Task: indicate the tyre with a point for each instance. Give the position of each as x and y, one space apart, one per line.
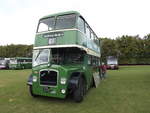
79 92
31 91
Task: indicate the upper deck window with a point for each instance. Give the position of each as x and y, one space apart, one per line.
60 22
46 24
92 36
87 31
65 21
81 24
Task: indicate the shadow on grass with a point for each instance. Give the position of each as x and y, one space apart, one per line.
53 99
68 99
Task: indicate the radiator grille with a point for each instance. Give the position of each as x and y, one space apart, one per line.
48 77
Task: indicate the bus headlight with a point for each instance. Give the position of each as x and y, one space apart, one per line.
34 78
63 80
63 91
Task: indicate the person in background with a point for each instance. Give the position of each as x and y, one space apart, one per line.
104 70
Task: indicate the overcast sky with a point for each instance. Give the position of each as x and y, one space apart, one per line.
108 18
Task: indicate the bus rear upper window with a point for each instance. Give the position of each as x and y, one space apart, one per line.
65 21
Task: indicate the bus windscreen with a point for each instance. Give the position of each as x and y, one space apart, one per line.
60 22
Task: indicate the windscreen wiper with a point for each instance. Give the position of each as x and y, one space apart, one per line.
38 55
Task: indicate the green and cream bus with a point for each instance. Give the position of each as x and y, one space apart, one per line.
20 63
66 57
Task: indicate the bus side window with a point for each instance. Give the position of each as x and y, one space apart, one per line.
93 60
97 61
81 24
95 39
87 29
89 60
92 36
29 60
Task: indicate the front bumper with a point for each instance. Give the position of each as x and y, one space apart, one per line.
49 91
59 91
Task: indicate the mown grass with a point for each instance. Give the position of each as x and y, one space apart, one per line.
126 90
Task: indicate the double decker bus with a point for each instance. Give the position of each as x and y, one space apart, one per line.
66 57
20 63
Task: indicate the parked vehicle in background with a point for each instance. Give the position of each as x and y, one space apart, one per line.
4 63
20 63
112 62
66 57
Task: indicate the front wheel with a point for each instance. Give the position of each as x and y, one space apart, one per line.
31 91
79 92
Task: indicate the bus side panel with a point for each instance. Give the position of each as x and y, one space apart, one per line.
39 41
81 39
88 70
68 38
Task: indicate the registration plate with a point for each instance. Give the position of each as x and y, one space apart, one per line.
52 41
46 89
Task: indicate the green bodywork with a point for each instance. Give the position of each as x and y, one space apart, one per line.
64 71
69 37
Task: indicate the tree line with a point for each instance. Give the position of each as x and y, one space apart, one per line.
128 49
19 50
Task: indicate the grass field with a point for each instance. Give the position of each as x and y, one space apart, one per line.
126 90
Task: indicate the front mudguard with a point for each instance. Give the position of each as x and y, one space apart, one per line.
30 80
73 83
